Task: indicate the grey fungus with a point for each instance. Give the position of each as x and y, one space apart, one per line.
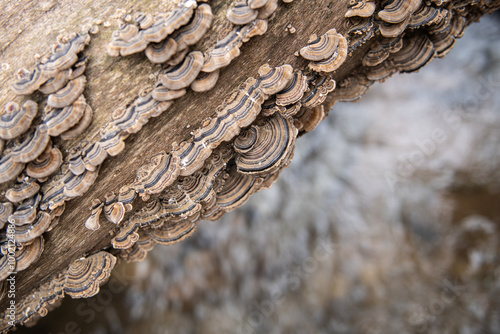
56 83
161 52
68 94
26 212
21 191
294 91
6 209
321 48
205 81
46 164
16 120
241 13
61 120
85 275
333 62
31 145
182 75
361 8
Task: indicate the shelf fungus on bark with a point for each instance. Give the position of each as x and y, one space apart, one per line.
6 209
64 55
92 223
333 62
9 169
182 75
205 81
16 120
241 13
46 164
68 94
321 48
26 188
28 232
29 253
84 276
361 8
31 145
60 120
275 79
294 91
265 148
130 38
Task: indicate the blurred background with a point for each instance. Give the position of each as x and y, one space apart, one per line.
386 221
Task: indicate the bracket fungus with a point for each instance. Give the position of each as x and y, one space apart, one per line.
245 123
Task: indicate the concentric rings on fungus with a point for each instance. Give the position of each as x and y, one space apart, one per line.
266 148
396 11
159 53
152 178
171 233
361 8
46 164
26 212
32 145
21 191
182 75
335 60
79 127
14 121
192 32
85 275
9 169
162 93
241 13
275 79
320 48
28 232
415 53
56 83
92 223
68 94
29 254
6 210
205 81
61 120
294 91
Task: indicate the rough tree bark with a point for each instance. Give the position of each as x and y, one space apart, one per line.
27 29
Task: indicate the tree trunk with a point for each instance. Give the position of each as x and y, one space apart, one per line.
114 82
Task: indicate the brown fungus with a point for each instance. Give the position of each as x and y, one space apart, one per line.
361 8
28 232
182 75
15 120
31 145
21 191
335 60
92 223
63 119
396 11
56 83
46 164
320 48
266 148
79 127
294 91
241 13
275 79
9 169
67 95
192 32
29 253
205 81
85 275
159 53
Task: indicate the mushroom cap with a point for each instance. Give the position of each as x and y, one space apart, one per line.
14 121
275 79
335 61
29 254
32 145
322 47
159 53
22 191
241 13
396 11
68 94
62 119
205 81
294 91
181 76
46 164
84 276
362 8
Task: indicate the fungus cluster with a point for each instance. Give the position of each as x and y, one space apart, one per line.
240 150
